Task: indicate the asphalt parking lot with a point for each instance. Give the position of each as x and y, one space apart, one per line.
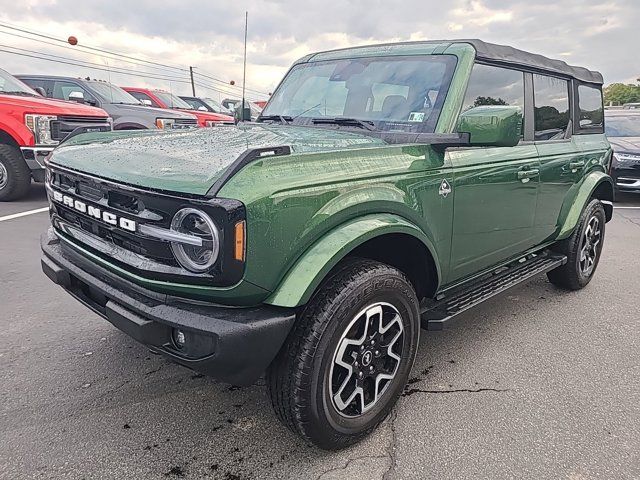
537 383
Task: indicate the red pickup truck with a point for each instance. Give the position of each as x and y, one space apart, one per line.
30 127
162 99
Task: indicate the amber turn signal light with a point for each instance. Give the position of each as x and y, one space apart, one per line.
240 236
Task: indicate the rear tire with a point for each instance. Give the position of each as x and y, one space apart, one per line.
348 357
582 248
15 176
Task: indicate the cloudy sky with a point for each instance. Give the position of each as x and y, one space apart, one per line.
208 34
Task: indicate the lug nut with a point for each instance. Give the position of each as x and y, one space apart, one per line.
360 374
371 368
377 353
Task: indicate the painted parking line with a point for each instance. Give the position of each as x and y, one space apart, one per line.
24 214
626 208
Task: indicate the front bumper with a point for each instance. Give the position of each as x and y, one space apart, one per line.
34 158
234 345
628 184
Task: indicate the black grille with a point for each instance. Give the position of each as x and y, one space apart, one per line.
134 251
186 121
63 126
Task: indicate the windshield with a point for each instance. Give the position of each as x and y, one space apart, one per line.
10 84
217 106
171 101
112 93
395 93
623 126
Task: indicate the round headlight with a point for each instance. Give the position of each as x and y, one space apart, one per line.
197 224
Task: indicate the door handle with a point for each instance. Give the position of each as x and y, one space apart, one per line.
525 175
576 165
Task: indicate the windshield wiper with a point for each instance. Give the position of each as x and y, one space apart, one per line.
366 124
20 93
284 119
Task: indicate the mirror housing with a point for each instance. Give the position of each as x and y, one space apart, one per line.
40 91
146 102
492 125
76 96
202 108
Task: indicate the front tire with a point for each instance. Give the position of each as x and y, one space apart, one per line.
15 177
582 248
348 357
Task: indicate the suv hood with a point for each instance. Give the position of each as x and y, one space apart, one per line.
143 109
48 106
190 161
625 144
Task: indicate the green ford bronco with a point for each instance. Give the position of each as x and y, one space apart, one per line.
383 189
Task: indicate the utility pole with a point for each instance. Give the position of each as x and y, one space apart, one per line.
243 108
193 85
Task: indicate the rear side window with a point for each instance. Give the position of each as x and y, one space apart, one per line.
590 109
551 107
489 85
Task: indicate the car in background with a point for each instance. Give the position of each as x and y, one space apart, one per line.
30 127
127 112
235 106
631 106
167 100
623 130
207 104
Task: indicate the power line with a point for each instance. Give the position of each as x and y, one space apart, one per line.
116 70
152 74
93 64
121 57
102 68
226 83
87 47
75 49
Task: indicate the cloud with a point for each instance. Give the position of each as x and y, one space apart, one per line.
209 34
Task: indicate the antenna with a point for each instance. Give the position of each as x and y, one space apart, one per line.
244 68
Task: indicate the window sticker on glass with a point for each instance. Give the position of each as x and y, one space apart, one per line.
416 117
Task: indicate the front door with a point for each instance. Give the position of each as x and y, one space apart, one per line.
495 195
495 189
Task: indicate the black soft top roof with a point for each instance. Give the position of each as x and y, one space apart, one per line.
514 56
484 51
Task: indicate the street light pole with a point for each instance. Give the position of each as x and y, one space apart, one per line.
193 85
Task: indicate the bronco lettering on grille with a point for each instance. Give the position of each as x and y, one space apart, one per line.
95 212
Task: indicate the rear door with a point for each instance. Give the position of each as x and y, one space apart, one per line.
561 160
495 188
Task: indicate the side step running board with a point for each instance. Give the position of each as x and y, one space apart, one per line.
437 312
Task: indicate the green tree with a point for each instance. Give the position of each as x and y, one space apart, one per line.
480 101
620 93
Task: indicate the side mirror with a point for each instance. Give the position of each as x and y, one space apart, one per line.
202 108
76 97
492 125
40 91
146 102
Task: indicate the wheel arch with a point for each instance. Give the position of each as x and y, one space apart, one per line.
595 185
387 238
7 139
